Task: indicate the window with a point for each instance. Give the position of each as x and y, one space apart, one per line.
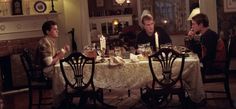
171 15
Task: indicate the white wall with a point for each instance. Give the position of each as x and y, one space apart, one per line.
75 15
208 7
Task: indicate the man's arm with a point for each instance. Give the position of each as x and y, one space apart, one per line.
210 45
60 54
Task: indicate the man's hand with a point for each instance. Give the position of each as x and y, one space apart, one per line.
60 54
66 48
191 33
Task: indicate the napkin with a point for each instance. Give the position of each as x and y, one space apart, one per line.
133 57
116 60
137 58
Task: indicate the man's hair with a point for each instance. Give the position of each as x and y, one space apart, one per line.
147 17
201 18
47 26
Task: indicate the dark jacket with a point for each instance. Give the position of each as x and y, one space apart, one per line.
143 38
209 40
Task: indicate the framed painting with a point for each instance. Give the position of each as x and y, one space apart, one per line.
229 5
100 3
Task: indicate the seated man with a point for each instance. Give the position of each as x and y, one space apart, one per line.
212 47
147 35
46 53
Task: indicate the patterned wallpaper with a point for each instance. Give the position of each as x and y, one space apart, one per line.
180 15
147 5
171 15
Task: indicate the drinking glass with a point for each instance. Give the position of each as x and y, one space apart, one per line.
90 51
117 51
141 48
167 45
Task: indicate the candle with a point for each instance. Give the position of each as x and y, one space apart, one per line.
102 43
156 40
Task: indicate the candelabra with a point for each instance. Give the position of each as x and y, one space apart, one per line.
53 10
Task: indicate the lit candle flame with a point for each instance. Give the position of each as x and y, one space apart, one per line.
156 40
102 43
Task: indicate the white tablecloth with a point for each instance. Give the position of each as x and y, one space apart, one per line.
136 75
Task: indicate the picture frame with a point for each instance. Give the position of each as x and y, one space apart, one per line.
100 3
229 5
17 7
40 6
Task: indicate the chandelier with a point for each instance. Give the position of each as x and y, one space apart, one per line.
120 1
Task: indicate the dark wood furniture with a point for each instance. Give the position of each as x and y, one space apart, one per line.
35 79
164 83
219 74
78 85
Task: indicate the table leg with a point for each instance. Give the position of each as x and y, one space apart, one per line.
100 98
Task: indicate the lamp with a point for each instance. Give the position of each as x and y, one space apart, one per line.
120 1
194 12
128 1
165 21
115 22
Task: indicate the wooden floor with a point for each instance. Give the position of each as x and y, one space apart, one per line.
121 99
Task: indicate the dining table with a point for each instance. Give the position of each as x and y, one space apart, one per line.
136 74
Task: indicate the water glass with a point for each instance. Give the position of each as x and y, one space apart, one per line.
117 51
141 48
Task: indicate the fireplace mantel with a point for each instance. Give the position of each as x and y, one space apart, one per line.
23 26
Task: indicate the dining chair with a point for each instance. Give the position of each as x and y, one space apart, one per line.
78 82
164 83
219 74
36 80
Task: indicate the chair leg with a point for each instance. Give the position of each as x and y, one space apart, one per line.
141 91
100 98
100 94
30 99
227 89
94 100
40 98
183 100
129 93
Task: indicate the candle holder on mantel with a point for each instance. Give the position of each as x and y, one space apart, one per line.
53 10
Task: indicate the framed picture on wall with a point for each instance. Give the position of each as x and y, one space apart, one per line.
229 5
40 6
100 3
